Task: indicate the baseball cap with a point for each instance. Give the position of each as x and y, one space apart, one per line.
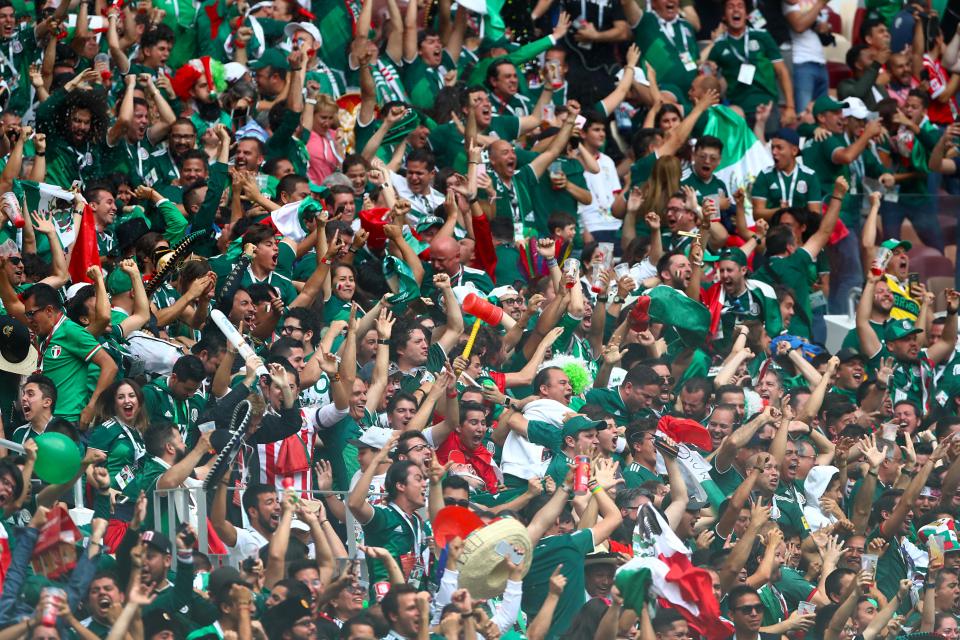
787 135
898 329
273 58
366 371
576 424
826 103
222 578
893 243
293 27
118 282
734 254
506 291
157 620
856 109
428 221
847 354
283 616
158 541
373 438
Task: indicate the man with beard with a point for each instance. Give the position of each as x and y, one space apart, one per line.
75 121
891 519
141 148
510 299
913 368
101 199
902 81
175 398
166 466
787 183
674 270
396 526
197 84
880 309
751 63
262 507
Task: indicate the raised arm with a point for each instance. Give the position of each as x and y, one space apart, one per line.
821 236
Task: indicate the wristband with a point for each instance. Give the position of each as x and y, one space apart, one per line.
326 260
836 198
472 199
382 341
602 299
312 101
551 262
451 396
597 489
873 473
240 45
40 154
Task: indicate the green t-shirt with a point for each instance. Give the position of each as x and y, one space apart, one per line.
66 356
713 187
778 189
508 270
758 49
284 286
891 569
636 474
568 550
670 49
789 500
727 481
611 401
161 405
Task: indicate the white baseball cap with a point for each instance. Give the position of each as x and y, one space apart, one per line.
309 27
856 108
374 438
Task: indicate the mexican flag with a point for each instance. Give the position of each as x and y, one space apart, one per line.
85 252
290 218
687 317
40 196
744 156
661 574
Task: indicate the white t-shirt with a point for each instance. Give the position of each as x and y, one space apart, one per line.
248 545
806 45
603 186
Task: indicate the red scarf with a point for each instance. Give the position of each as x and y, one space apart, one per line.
479 458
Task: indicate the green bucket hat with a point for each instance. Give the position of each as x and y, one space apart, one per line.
403 128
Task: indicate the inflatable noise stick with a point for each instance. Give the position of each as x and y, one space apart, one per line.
467 348
233 337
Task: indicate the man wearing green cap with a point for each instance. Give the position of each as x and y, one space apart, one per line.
271 72
913 367
577 436
130 308
905 306
740 298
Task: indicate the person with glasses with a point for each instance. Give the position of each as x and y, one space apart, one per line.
510 299
746 613
67 353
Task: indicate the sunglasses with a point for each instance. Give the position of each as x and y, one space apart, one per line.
453 502
30 314
15 260
750 608
667 380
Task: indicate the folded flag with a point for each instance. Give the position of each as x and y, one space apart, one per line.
85 251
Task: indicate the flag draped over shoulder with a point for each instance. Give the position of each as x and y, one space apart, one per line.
85 251
744 156
661 573
689 318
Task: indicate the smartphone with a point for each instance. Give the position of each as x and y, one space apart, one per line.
913 278
505 549
188 538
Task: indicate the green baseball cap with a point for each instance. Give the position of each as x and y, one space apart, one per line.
893 243
428 221
826 103
118 282
895 330
734 254
273 58
576 424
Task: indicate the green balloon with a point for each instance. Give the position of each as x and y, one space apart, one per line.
58 458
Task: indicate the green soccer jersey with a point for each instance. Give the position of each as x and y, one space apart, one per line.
789 508
404 535
515 202
567 550
748 89
17 53
145 162
611 402
727 481
712 188
424 82
669 47
818 158
436 359
517 105
911 381
124 447
65 357
161 405
636 474
283 285
891 569
796 189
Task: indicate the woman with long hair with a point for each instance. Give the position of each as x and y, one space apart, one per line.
119 434
320 123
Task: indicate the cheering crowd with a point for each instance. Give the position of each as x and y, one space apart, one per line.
414 319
